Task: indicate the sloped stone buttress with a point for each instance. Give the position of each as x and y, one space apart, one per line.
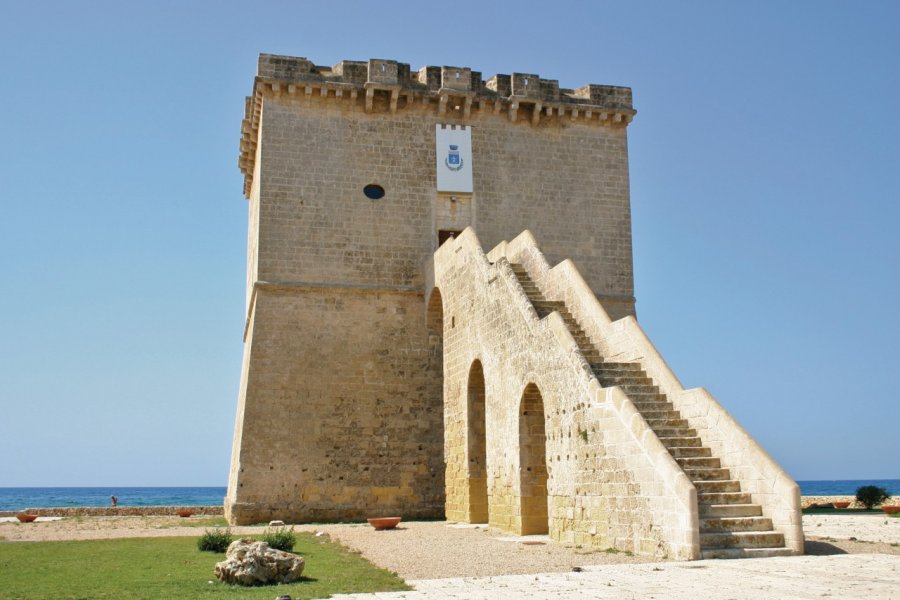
731 525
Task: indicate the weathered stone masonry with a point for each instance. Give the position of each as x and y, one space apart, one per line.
380 376
340 409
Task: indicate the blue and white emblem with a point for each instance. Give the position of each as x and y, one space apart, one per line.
454 161
453 158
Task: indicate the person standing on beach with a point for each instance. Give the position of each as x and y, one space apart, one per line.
114 500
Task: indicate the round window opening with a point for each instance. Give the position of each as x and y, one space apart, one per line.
373 192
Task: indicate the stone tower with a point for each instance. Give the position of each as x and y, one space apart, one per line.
355 174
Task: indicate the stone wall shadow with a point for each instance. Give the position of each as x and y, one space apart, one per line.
821 549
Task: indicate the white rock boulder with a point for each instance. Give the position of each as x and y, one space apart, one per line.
254 563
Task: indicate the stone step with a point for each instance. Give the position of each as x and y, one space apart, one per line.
665 422
694 462
708 474
729 510
723 498
701 452
723 524
742 539
744 552
678 432
652 405
709 487
623 380
662 415
680 442
645 398
549 304
623 366
604 371
639 389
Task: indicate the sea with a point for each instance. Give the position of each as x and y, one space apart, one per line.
845 487
19 498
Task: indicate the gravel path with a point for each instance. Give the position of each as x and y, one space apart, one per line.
426 550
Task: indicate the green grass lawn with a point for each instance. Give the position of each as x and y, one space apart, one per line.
200 522
172 568
842 511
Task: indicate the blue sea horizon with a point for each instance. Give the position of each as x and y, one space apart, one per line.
20 498
845 487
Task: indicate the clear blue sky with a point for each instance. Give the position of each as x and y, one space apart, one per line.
765 169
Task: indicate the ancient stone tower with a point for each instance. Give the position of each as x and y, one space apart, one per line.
392 367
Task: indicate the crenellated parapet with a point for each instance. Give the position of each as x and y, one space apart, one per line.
453 93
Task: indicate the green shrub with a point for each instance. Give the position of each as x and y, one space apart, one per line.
871 495
280 538
214 540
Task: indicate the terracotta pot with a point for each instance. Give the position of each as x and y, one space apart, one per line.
891 509
184 512
842 504
26 518
380 523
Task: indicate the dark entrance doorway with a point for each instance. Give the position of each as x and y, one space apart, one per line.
446 234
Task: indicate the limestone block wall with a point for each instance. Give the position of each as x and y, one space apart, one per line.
624 340
544 158
339 408
607 481
330 429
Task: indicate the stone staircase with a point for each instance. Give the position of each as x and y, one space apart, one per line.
731 526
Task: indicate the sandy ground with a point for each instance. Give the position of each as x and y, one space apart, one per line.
436 549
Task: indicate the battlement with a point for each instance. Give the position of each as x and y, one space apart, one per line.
380 85
379 72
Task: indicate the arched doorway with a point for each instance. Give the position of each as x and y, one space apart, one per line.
533 462
477 445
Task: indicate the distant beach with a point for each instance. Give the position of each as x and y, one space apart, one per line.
19 498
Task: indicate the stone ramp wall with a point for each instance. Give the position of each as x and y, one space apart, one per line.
624 340
611 483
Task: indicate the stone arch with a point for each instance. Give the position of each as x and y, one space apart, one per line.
477 444
533 462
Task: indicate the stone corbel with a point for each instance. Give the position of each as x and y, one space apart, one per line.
536 114
395 95
370 94
513 110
